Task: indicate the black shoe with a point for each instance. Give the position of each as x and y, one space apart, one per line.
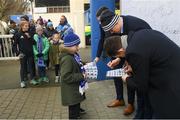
79 117
82 111
75 118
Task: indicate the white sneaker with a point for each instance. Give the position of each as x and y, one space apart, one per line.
57 79
23 85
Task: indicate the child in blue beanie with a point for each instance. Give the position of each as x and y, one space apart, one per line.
72 76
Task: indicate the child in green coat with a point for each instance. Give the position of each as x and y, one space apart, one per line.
54 52
72 76
41 49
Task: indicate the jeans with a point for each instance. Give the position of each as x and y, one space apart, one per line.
42 71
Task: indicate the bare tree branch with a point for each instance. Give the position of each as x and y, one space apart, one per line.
12 7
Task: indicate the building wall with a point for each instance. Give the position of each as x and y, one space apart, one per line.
162 15
86 1
75 18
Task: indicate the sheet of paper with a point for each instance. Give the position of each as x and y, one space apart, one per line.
91 70
115 73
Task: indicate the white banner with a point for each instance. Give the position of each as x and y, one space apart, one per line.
162 15
40 10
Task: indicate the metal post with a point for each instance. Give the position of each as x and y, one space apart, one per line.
32 10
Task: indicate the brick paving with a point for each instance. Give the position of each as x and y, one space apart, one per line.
45 103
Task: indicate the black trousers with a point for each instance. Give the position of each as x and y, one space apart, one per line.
119 87
131 95
47 61
119 91
34 68
25 63
144 110
74 111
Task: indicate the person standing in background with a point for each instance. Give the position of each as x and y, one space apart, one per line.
32 31
24 49
49 32
54 52
62 24
41 49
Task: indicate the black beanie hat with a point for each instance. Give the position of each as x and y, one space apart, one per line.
25 17
108 20
100 10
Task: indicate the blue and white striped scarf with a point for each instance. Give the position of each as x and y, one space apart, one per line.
83 83
40 62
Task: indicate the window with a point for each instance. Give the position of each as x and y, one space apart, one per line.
46 3
54 6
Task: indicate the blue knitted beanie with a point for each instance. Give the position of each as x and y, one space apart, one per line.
49 24
71 40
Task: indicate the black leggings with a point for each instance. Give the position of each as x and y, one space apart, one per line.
27 62
57 69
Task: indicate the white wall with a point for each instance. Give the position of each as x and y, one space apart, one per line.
162 15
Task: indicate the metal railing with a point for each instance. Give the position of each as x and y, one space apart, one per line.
6 43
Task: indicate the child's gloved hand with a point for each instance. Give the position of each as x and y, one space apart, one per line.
21 55
51 41
39 55
96 59
85 75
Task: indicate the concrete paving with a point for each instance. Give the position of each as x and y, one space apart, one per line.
44 101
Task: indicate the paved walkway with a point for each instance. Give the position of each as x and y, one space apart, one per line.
45 103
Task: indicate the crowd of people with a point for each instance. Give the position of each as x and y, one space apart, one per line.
150 60
37 45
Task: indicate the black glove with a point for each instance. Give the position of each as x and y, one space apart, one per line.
39 55
17 53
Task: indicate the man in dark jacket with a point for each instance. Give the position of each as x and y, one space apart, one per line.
119 101
121 25
154 66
